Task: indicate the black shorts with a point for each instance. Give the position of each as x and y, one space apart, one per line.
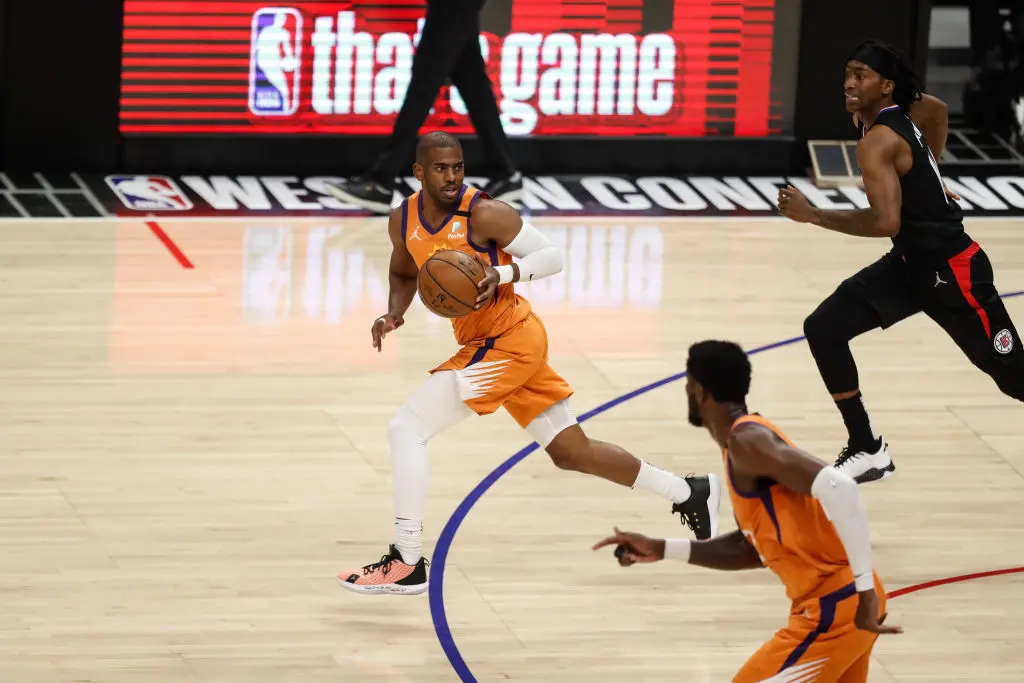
957 293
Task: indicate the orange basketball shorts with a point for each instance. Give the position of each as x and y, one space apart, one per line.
820 643
511 371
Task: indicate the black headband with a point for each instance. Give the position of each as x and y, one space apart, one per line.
881 61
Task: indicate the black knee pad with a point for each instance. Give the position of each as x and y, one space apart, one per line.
821 324
841 317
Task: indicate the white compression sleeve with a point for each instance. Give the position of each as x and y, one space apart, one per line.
537 256
433 408
841 501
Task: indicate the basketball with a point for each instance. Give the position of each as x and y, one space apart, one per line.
447 283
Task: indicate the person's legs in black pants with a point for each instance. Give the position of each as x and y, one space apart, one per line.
968 307
450 25
876 297
476 90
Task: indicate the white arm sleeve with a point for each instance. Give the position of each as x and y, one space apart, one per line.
842 503
677 549
537 256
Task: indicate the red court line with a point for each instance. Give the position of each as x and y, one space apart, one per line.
953 579
169 243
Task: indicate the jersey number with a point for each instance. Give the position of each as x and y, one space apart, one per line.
931 159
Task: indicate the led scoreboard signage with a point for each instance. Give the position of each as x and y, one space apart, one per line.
559 67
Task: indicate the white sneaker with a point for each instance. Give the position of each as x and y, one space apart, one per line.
863 466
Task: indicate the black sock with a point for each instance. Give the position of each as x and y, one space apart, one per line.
858 424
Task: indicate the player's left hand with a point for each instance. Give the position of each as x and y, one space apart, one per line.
794 205
488 286
867 618
631 548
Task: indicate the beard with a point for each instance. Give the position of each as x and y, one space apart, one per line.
694 414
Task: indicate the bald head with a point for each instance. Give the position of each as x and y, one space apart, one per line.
436 140
440 168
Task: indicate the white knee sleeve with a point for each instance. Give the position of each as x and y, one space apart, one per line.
432 408
552 422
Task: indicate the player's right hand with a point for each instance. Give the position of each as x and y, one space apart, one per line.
631 548
382 325
868 619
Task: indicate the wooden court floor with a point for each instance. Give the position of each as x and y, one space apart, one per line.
190 455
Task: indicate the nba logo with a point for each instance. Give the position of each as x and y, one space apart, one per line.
275 54
149 193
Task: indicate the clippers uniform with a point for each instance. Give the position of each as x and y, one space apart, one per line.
798 543
936 268
504 356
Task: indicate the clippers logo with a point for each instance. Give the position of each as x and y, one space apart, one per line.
1003 342
149 193
275 55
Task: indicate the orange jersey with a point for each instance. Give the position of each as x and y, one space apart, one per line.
791 532
507 308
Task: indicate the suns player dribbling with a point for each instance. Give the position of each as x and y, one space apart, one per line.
503 362
798 516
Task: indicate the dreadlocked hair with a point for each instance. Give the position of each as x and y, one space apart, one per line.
897 67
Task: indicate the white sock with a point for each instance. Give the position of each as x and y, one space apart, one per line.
664 484
409 539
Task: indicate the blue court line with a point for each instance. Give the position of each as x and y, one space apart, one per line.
444 541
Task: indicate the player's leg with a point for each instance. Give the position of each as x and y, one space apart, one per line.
432 409
541 407
965 303
469 75
878 296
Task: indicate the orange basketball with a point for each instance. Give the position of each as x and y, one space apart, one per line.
447 283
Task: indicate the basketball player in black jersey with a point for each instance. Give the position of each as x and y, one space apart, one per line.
933 267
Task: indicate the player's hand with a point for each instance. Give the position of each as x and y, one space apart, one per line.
949 193
487 286
631 548
867 618
382 325
794 205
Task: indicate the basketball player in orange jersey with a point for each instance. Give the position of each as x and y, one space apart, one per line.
783 499
503 362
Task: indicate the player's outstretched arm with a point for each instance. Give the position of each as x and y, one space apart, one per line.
497 222
402 273
756 452
876 156
727 552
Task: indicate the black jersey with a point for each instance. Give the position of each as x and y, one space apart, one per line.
929 220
